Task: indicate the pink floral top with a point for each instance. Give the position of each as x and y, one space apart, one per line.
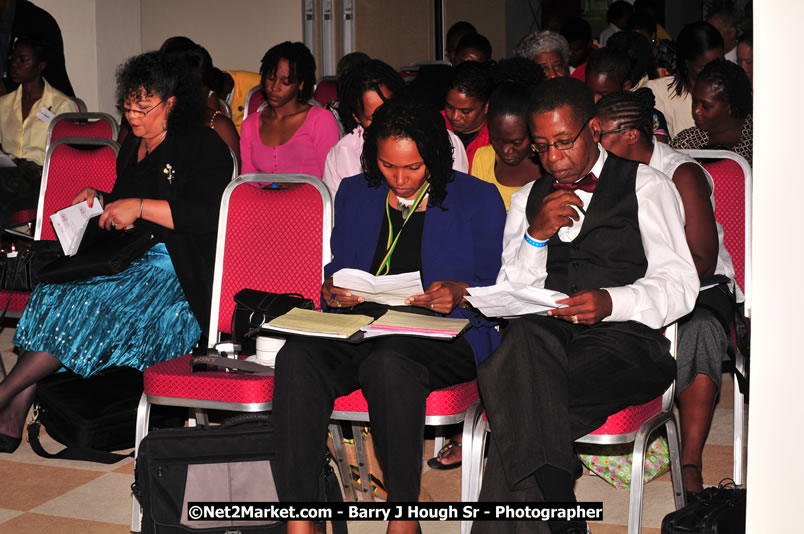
304 153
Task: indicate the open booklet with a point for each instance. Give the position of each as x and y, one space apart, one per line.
356 328
391 290
509 299
71 223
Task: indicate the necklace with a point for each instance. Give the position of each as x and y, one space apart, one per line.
159 139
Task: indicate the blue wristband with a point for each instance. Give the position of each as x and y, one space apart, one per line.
534 242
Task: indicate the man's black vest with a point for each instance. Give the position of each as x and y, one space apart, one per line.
608 250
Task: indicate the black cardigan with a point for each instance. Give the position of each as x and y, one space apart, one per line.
190 169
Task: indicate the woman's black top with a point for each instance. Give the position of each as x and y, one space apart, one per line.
190 169
407 256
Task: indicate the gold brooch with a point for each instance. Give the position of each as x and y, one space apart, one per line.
168 170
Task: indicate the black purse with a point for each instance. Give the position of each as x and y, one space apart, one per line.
254 308
716 510
108 256
20 271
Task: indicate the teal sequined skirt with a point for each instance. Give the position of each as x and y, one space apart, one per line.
135 318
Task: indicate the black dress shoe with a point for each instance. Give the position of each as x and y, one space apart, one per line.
9 444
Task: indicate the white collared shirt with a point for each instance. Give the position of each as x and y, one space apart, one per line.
670 285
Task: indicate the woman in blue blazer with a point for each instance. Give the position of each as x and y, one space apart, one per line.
408 212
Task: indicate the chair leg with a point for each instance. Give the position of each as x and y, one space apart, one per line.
362 463
471 420
340 458
637 482
675 463
438 442
739 422
143 417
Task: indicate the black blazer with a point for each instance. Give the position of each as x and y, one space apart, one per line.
190 169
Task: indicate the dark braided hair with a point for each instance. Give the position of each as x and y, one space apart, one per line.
726 77
404 117
471 79
629 109
301 67
358 80
694 40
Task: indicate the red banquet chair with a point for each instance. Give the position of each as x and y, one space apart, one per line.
254 100
326 90
634 424
93 125
733 185
268 239
67 170
445 406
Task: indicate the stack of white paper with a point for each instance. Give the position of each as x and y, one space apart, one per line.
71 223
510 299
391 290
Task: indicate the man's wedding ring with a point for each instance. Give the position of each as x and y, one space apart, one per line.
114 224
574 319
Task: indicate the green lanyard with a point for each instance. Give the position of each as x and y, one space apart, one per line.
385 266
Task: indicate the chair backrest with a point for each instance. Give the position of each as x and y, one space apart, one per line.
82 107
224 108
92 125
733 185
254 100
235 167
326 90
272 239
69 169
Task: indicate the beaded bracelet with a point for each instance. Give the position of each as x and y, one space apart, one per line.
534 242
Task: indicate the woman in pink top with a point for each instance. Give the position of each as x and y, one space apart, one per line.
290 135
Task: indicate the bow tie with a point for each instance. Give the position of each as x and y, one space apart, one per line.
588 184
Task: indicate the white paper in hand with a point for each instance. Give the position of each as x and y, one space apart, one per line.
391 290
71 223
510 299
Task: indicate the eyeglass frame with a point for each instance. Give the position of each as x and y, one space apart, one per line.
138 112
616 130
570 141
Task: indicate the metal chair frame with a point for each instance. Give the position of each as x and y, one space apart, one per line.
199 405
83 116
476 430
739 364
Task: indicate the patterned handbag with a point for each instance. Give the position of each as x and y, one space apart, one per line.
613 466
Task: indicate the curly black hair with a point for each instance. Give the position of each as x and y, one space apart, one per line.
156 74
472 79
361 79
728 78
629 109
301 66
694 40
405 117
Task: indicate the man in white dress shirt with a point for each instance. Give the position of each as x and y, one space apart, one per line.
609 233
724 21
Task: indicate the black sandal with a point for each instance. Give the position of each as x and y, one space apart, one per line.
693 494
435 463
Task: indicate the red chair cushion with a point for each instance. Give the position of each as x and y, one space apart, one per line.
174 379
629 419
18 300
448 401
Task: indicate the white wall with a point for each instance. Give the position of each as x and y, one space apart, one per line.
237 33
776 413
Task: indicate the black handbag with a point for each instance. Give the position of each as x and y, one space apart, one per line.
716 510
19 271
226 463
109 256
254 308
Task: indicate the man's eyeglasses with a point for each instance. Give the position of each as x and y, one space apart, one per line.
561 144
136 113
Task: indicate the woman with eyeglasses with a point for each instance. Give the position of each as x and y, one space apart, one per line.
171 173
408 212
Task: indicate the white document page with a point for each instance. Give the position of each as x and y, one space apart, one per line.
512 300
391 290
71 223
